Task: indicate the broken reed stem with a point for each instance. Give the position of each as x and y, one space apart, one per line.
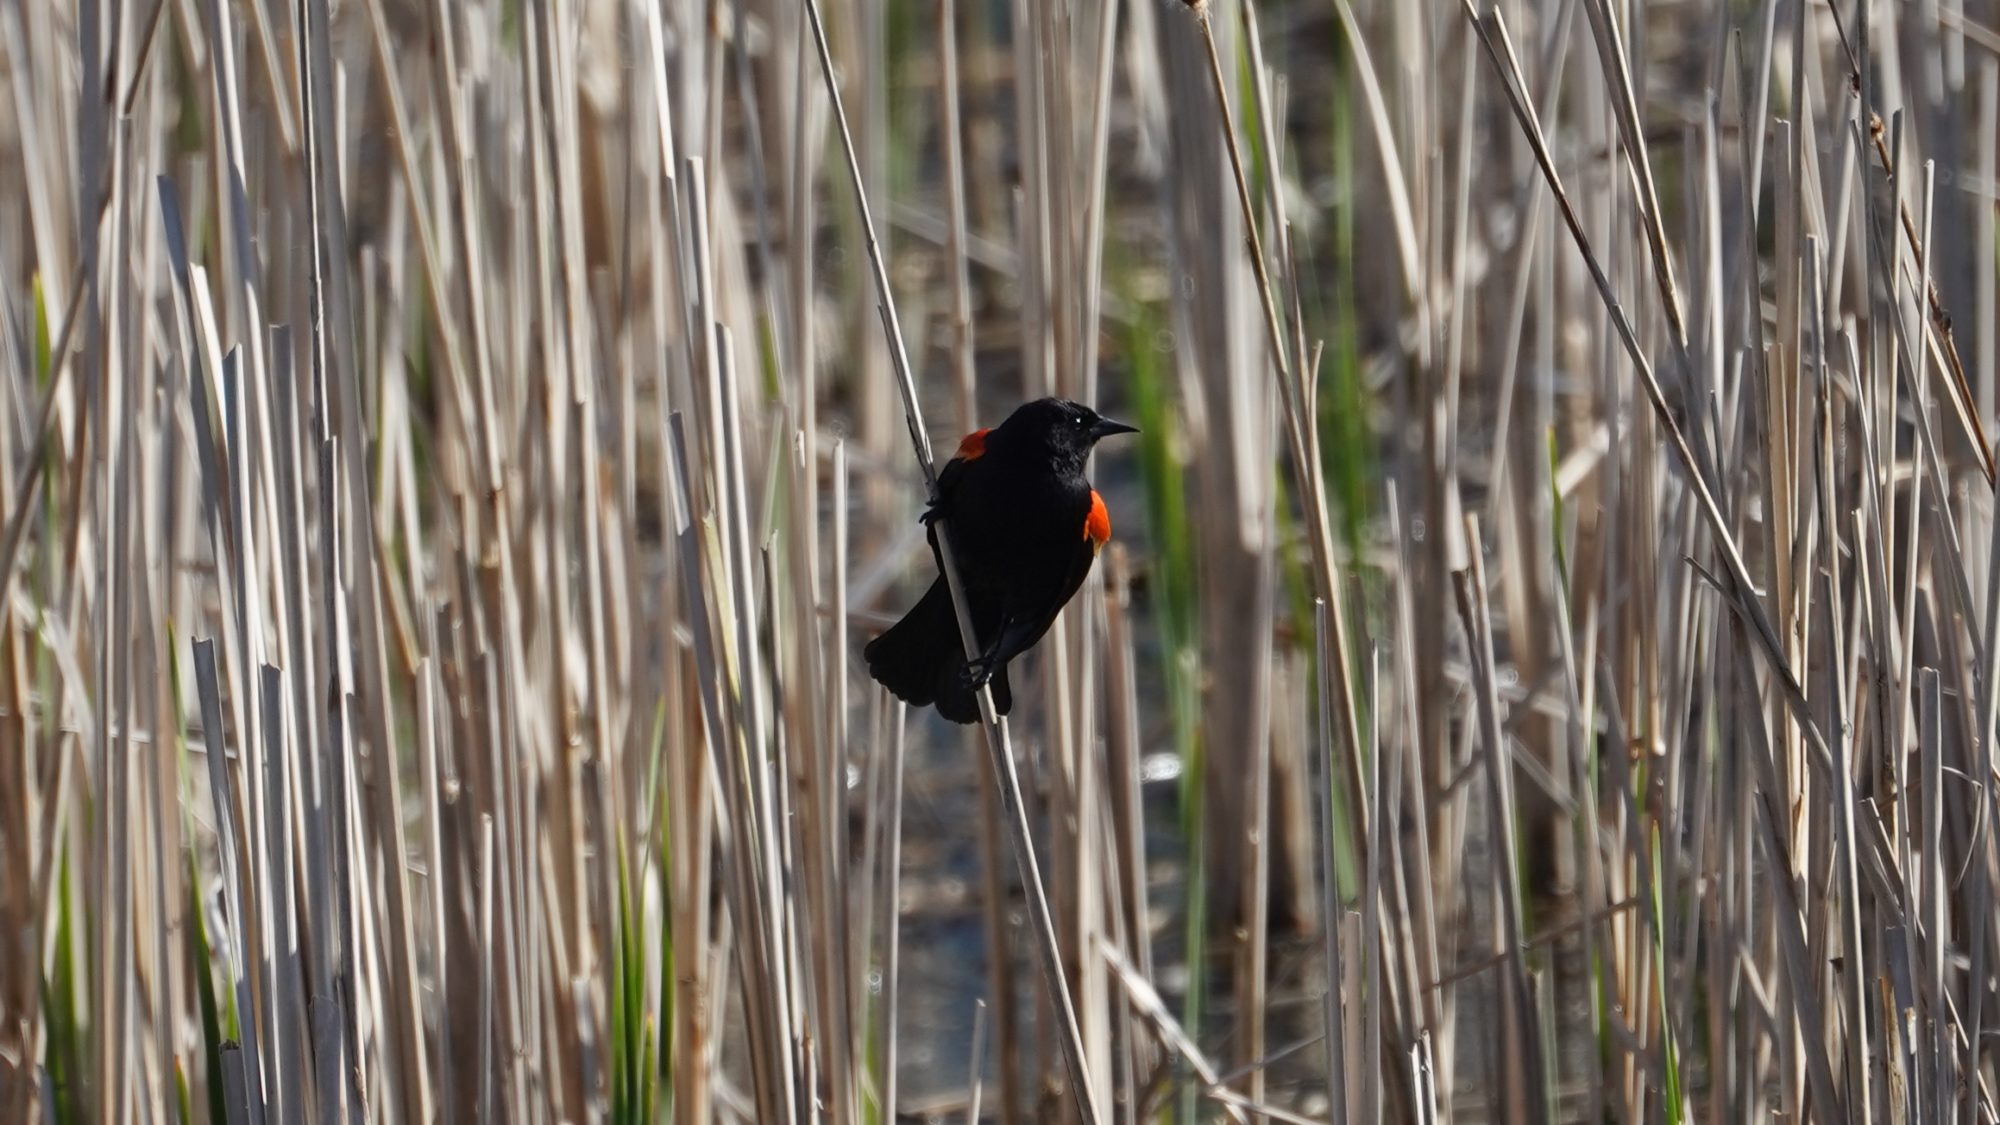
1329 904
892 912
997 742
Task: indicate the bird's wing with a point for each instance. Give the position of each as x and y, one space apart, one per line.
971 448
1025 625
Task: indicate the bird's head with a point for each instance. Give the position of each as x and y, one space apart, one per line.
1066 430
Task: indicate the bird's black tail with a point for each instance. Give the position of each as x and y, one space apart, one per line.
921 661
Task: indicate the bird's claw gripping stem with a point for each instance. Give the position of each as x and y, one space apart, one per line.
976 673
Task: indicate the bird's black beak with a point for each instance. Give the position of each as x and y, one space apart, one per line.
1105 427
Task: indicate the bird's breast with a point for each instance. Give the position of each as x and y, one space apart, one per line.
1007 524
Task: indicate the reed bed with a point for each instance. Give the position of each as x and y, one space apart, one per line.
451 453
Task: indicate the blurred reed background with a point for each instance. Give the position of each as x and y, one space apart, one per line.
450 455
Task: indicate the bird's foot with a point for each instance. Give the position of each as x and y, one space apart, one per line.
976 673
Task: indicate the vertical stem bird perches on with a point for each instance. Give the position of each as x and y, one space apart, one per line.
996 727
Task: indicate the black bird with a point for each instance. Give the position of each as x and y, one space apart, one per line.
1025 527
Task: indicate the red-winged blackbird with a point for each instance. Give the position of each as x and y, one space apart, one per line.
1025 527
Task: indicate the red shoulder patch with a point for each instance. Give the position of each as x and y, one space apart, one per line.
973 446
1097 525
